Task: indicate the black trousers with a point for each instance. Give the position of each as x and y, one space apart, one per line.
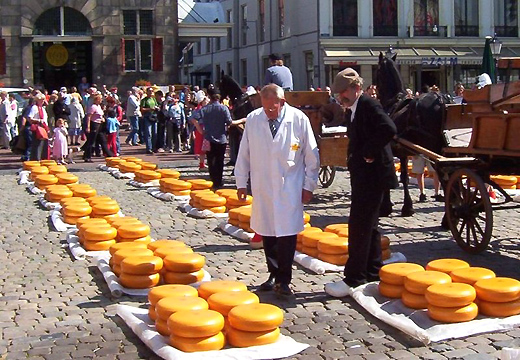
364 239
215 158
279 254
94 135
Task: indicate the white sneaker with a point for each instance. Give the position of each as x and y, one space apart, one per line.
338 289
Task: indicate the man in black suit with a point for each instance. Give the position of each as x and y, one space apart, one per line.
372 171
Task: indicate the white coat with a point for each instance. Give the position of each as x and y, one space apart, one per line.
279 169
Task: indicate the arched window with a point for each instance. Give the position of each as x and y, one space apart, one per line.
62 21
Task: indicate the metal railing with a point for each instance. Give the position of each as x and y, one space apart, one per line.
345 30
429 30
506 31
466 30
385 30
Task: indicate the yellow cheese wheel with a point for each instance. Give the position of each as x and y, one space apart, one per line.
342 232
414 301
234 213
119 255
183 278
234 201
385 242
104 216
311 239
198 184
84 192
334 228
126 245
71 220
162 327
501 309
245 226
105 208
164 291
141 265
154 245
397 272
215 342
46 180
74 200
418 282
446 265
313 252
333 246
471 275
116 269
152 314
186 263
98 245
29 165
234 222
206 289
95 233
504 179
67 178
299 236
169 173
255 317
138 281
181 192
226 192
57 169
240 338
48 162
299 247
81 228
499 289
450 295
194 323
144 239
335 259
98 198
164 251
56 197
90 221
306 218
117 222
244 215
453 314
194 194
213 201
390 290
216 209
169 305
224 301
133 231
174 184
41 170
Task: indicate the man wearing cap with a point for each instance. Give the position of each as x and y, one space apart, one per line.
372 172
278 73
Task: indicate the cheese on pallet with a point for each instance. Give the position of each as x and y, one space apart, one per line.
145 239
90 221
29 165
504 180
84 191
76 209
212 201
335 259
255 317
99 233
72 220
117 222
174 184
165 243
233 201
226 192
396 273
215 342
164 251
299 236
418 282
57 169
450 294
98 198
241 338
195 323
119 255
126 245
103 208
48 162
199 184
145 176
41 181
171 277
206 289
71 200
169 173
223 302
501 309
138 281
311 239
446 265
148 165
98 245
333 246
244 215
471 275
39 170
55 195
167 306
67 178
141 265
335 228
164 291
184 263
390 290
133 231
499 289
414 301
453 314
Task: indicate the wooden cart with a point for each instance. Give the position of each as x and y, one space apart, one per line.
333 146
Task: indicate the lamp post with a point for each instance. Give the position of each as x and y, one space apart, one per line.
496 48
390 52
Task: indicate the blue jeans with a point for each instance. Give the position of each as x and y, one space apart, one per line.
134 129
118 143
150 133
141 130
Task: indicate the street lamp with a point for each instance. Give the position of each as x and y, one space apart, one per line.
390 52
496 48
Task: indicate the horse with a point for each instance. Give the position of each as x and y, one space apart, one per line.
419 120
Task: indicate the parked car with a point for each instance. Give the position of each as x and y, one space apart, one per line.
20 94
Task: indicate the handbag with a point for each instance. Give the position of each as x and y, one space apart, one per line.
40 132
206 145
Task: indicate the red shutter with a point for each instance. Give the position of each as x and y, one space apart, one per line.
157 48
2 57
123 62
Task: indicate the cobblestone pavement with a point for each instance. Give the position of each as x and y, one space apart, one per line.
53 307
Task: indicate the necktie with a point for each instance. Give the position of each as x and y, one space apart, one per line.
273 126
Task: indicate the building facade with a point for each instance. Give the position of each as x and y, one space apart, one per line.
437 42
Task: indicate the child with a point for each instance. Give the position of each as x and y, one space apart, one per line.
112 130
59 142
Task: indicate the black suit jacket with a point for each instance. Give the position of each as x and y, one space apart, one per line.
369 135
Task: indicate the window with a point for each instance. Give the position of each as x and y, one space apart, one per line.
130 59
208 45
141 47
261 19
344 18
281 18
229 67
145 47
141 51
426 17
466 18
506 18
243 23
62 21
229 17
309 68
385 17
217 44
243 71
137 22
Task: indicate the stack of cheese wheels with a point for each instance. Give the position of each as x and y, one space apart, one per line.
54 193
48 162
84 223
244 218
120 254
67 178
310 241
125 245
208 288
57 169
113 161
133 231
195 198
234 214
29 165
233 201
98 237
385 247
129 167
416 283
505 181
183 268
146 176
175 186
226 192
196 330
498 297
446 265
392 278
299 237
148 165
73 200
471 275
165 243
306 220
333 250
224 301
338 229
109 160
200 184
42 181
451 302
212 202
140 271
254 324
82 190
117 222
104 208
164 251
169 299
38 170
169 173
74 211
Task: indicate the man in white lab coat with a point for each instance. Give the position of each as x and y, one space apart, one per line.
278 152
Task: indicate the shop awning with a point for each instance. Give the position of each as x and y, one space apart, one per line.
428 56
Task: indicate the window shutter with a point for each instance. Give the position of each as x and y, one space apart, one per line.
2 57
123 60
157 48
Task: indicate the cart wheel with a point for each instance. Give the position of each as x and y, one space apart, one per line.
468 211
326 175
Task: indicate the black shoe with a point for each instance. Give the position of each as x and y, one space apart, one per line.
268 285
438 198
283 290
371 278
88 160
422 198
149 151
230 163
